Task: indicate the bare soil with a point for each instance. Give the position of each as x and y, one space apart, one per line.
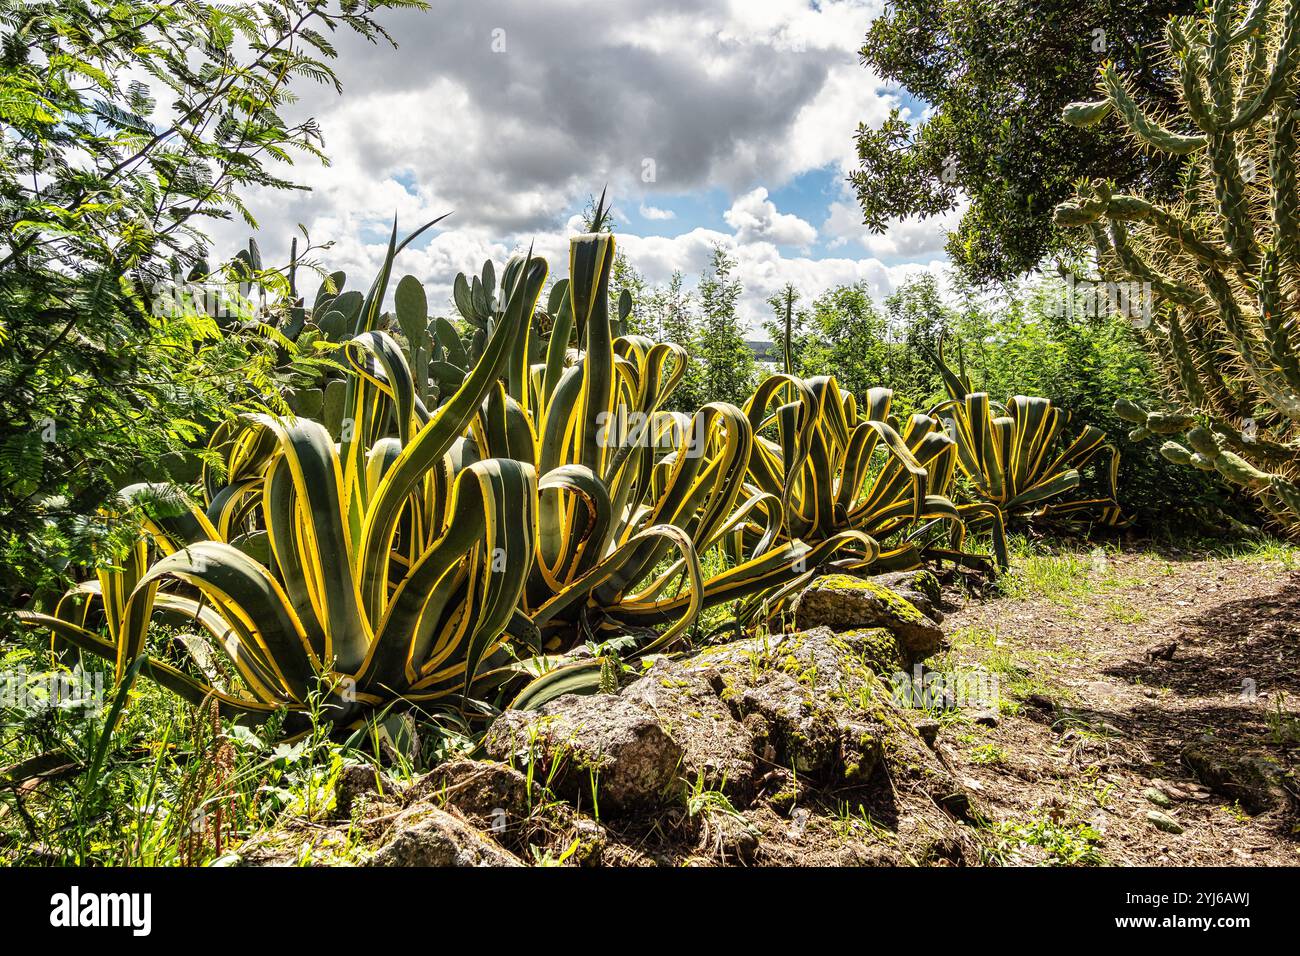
1108 674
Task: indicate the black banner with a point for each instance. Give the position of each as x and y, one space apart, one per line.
142 906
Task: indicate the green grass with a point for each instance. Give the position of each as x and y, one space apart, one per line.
1117 609
175 786
1265 550
990 755
1015 681
850 822
1062 844
1067 579
1283 726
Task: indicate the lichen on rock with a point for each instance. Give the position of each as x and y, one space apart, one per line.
842 602
603 749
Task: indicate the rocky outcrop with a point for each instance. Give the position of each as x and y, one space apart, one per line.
601 750
757 723
741 753
845 603
427 836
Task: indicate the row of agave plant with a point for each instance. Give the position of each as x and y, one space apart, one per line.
473 508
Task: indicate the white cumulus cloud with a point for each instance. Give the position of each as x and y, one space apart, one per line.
654 212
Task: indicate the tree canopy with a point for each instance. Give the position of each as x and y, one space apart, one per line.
124 127
996 76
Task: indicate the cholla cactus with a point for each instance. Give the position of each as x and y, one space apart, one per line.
1223 262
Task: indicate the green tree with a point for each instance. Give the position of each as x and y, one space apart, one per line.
624 277
789 323
996 76
726 364
917 318
103 193
669 317
847 339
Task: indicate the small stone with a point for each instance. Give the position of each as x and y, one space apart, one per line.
730 836
928 729
1164 652
1158 797
590 838
431 837
1172 790
1163 821
356 783
985 718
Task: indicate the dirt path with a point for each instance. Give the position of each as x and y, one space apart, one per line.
1128 681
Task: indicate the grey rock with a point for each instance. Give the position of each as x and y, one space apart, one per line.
686 702
481 789
603 741
356 783
919 580
427 836
806 737
919 587
811 701
842 602
590 839
1163 821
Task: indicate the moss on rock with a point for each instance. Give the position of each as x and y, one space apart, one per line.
844 603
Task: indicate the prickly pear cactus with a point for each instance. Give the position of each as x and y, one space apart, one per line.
1222 263
412 307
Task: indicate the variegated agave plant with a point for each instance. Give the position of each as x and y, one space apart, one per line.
837 469
1017 462
385 567
631 496
421 556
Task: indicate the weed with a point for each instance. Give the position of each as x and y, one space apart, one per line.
1057 843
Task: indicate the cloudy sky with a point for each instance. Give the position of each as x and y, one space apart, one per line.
711 121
